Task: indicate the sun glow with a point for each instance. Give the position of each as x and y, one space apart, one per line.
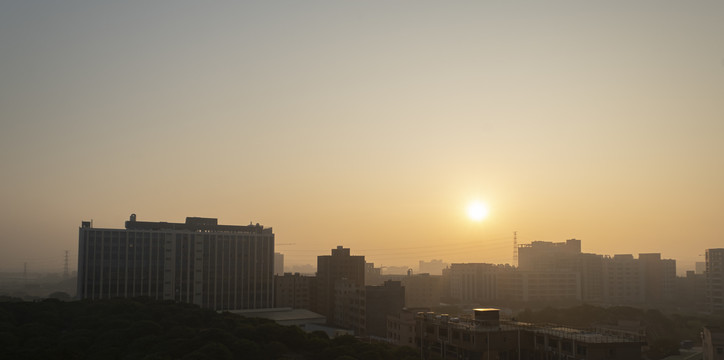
477 211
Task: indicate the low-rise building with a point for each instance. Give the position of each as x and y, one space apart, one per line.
382 301
294 291
485 336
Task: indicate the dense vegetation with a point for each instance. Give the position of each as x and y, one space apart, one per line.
145 329
664 332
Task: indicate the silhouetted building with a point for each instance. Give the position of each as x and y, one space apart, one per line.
691 291
294 291
715 279
215 266
623 279
540 286
565 257
422 290
330 268
383 301
373 275
278 264
545 255
473 283
659 276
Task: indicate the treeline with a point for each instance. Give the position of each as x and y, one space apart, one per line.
145 329
664 332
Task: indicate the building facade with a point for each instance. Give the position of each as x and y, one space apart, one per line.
331 268
381 302
220 267
714 275
473 282
485 336
350 309
294 291
278 264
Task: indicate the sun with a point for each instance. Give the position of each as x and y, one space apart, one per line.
477 211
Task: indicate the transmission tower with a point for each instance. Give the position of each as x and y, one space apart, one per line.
65 267
515 248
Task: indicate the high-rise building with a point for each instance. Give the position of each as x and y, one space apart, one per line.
331 268
659 276
215 266
545 255
278 264
624 280
714 275
561 257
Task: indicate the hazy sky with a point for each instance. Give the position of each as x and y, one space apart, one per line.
368 124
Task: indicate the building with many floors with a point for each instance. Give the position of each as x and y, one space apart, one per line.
331 268
381 302
294 291
220 267
714 275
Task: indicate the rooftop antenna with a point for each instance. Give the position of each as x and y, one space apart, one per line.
515 248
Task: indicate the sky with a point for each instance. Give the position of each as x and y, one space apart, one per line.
367 124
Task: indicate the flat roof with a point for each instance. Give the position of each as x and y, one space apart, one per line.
280 314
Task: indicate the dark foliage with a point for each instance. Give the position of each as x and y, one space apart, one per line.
144 329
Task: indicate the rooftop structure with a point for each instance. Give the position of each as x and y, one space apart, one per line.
484 335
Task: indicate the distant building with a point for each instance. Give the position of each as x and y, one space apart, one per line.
381 302
715 279
659 277
623 280
540 286
691 291
331 268
544 255
565 257
220 267
278 264
473 282
373 275
432 267
422 290
700 267
294 291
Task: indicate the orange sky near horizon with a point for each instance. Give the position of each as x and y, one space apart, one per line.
371 125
